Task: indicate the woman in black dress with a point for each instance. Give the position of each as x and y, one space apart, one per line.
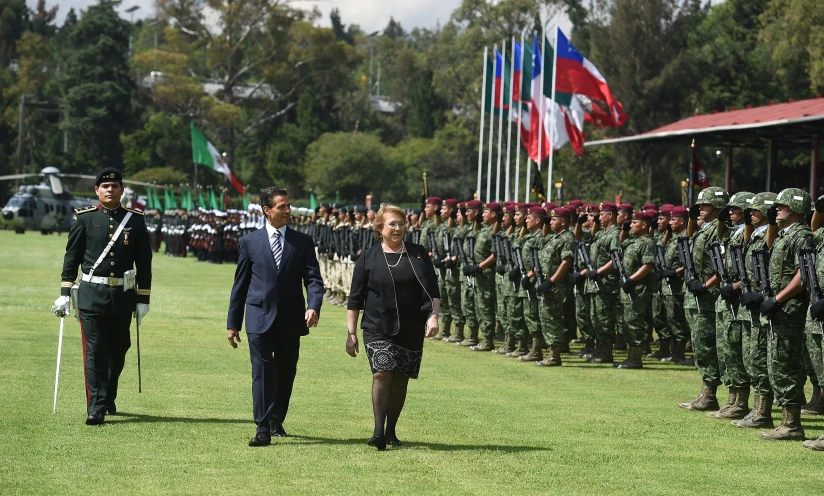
395 285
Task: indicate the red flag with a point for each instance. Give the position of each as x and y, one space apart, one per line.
699 174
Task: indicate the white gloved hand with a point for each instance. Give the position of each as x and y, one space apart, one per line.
142 310
61 307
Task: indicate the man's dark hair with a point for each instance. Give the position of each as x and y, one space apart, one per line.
267 195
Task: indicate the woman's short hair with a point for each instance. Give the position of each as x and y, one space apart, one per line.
380 217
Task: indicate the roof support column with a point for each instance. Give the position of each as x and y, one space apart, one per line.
814 169
770 161
728 183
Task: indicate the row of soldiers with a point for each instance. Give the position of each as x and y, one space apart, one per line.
735 276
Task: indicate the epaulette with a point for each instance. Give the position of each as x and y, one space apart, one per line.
138 212
84 210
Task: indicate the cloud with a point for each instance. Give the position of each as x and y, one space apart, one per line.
146 7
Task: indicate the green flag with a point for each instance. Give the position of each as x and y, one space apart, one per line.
245 201
313 202
149 200
200 201
221 205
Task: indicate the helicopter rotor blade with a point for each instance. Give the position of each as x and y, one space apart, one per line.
125 181
17 176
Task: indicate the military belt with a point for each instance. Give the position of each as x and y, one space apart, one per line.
108 281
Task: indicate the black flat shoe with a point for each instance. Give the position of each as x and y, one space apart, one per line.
260 439
394 442
95 418
377 442
276 429
111 410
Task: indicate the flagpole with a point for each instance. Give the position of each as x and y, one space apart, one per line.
518 134
196 176
500 122
491 127
481 129
540 102
509 119
552 109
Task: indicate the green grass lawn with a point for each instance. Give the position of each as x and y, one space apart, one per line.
473 423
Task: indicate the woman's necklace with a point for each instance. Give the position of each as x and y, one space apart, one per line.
400 257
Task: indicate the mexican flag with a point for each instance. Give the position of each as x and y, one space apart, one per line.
205 153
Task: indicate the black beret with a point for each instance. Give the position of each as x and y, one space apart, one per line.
374 207
360 209
109 174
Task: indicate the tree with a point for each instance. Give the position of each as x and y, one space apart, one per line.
42 19
425 114
793 32
342 33
13 20
394 30
163 141
96 86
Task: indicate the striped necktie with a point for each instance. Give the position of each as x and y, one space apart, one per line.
277 248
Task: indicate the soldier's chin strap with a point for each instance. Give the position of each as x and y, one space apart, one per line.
109 246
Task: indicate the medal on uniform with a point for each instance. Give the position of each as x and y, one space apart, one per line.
125 237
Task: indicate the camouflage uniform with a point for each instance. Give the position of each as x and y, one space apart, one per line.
604 301
468 288
485 301
529 301
639 251
659 305
558 247
582 302
673 296
515 304
448 285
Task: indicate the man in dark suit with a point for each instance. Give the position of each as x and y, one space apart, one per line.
272 264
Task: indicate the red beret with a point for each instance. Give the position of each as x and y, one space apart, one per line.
450 202
665 209
608 207
575 203
561 212
647 216
493 206
549 205
434 200
473 204
510 202
650 206
510 209
593 209
626 206
537 211
679 211
524 206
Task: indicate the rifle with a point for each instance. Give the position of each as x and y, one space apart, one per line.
496 246
660 265
510 258
760 262
616 255
739 267
447 244
685 255
720 268
433 245
584 253
519 260
807 262
536 264
462 256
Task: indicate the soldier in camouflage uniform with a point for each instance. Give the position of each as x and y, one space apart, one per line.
471 212
813 326
659 306
583 234
484 273
503 287
672 288
533 237
755 336
451 280
555 263
517 306
729 321
602 284
702 293
636 291
785 312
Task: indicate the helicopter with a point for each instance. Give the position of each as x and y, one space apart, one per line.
46 207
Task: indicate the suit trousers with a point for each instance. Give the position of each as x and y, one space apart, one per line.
274 365
105 343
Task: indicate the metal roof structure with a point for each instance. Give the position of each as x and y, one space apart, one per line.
785 124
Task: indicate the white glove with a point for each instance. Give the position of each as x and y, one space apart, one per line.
142 310
61 307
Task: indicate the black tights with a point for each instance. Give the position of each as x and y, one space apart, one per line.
388 396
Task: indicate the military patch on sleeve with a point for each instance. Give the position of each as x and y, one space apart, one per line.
74 217
138 212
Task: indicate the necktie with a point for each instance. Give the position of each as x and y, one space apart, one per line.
277 248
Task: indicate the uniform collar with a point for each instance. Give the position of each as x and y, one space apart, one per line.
109 211
787 229
760 229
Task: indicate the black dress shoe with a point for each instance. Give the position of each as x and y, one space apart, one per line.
111 410
95 418
276 429
260 439
394 442
377 442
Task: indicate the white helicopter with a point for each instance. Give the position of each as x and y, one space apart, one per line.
46 207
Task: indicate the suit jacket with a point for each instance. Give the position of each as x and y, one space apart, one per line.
267 294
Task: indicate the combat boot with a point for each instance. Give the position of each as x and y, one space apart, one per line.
535 354
444 333
620 342
586 351
472 340
500 333
817 445
458 335
521 350
677 352
663 350
633 360
739 409
760 416
730 402
508 346
816 404
554 359
487 344
705 401
790 427
603 355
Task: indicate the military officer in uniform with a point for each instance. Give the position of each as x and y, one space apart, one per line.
484 273
110 244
